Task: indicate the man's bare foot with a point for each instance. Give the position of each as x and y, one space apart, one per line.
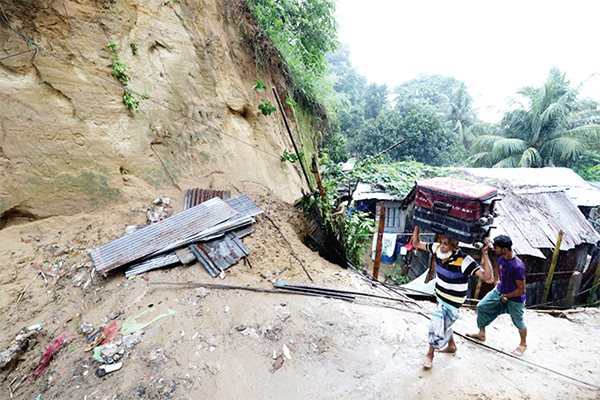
520 350
479 335
427 361
450 348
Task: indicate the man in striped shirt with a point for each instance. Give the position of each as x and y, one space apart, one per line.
453 268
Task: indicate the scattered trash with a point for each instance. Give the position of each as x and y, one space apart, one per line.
97 356
91 338
226 309
114 314
277 364
35 327
104 336
132 339
160 210
240 328
111 352
108 368
87 327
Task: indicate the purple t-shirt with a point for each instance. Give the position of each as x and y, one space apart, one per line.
509 272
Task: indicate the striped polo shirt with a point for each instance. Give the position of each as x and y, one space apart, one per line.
452 281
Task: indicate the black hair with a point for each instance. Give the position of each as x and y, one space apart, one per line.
503 241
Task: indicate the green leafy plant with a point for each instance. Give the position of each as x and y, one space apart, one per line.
397 276
119 70
112 46
260 86
134 47
266 108
291 157
145 96
357 235
131 103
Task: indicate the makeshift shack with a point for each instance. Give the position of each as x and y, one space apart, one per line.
368 198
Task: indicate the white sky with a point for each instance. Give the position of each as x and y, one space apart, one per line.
495 47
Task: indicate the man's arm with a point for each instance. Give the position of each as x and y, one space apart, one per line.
416 240
487 273
517 292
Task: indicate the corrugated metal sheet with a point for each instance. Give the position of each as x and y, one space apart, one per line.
364 191
220 254
185 255
196 196
160 261
580 191
533 221
157 236
246 210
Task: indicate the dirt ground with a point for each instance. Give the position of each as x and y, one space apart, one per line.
232 344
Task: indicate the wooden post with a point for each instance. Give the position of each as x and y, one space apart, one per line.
572 290
379 240
594 285
552 267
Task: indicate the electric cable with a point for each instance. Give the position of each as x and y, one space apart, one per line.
17 54
500 351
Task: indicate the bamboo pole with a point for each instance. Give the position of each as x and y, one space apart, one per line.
552 267
595 284
379 240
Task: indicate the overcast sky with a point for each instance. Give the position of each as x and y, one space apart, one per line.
495 47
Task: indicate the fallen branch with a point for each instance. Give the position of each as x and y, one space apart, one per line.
25 289
290 246
267 212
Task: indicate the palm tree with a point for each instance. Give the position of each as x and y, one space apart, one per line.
552 128
457 111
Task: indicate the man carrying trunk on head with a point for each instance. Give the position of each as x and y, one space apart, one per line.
453 268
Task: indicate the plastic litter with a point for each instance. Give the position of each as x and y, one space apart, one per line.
132 339
108 368
87 327
286 352
131 324
52 349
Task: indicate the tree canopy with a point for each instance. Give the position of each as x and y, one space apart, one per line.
551 127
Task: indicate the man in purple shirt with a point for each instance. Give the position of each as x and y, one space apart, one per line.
508 296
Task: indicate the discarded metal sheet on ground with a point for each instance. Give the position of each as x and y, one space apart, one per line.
196 196
152 239
230 220
218 255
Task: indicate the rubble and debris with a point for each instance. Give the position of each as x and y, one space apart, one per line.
19 345
172 240
160 210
